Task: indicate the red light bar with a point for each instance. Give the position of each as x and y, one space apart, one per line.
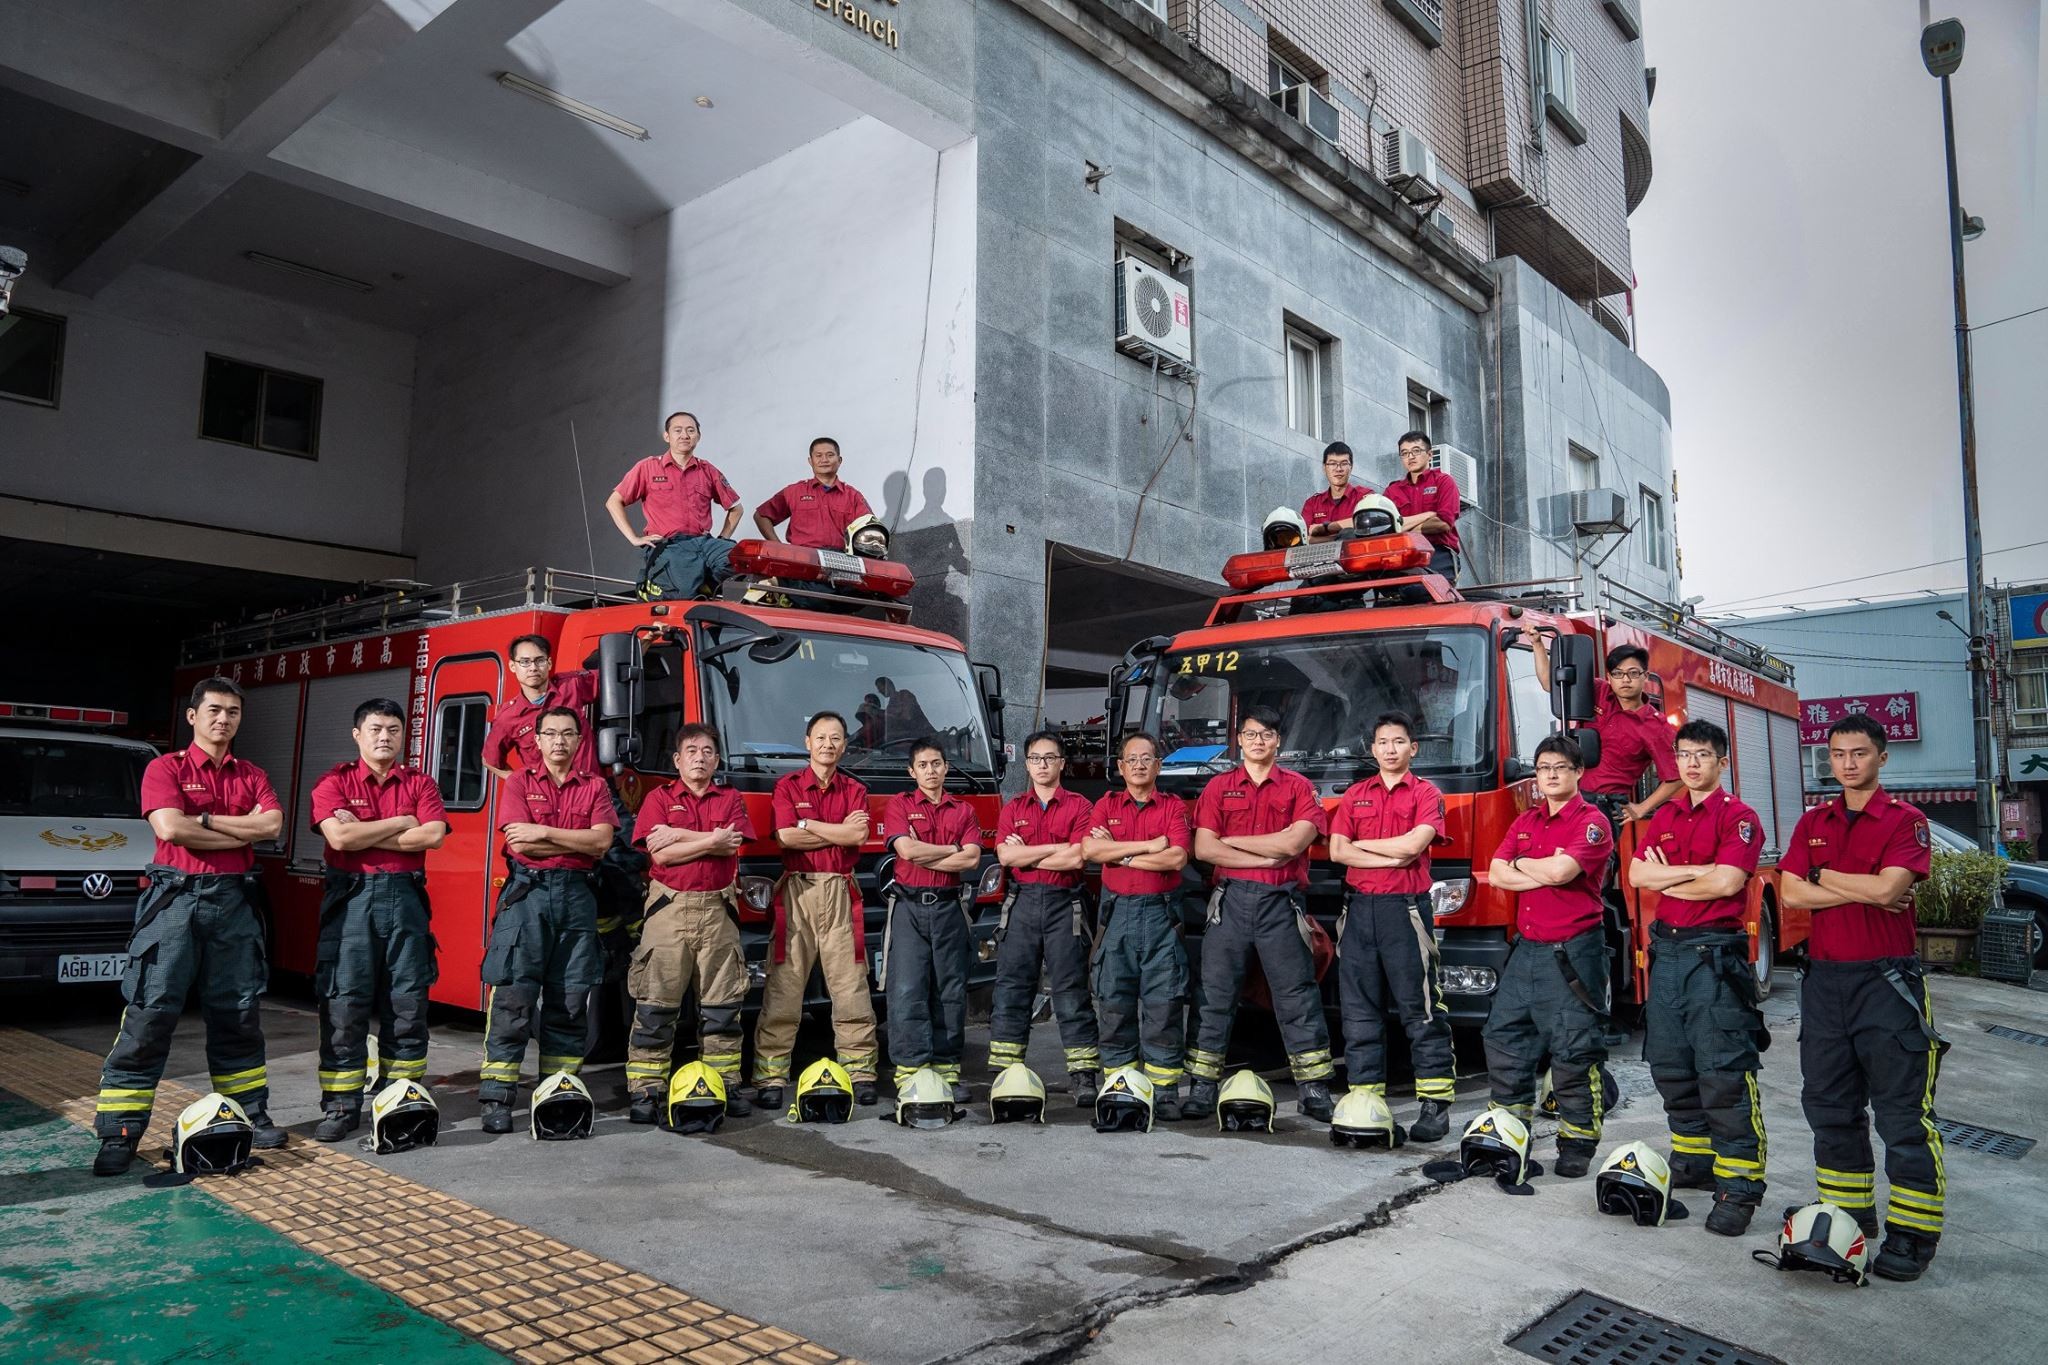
799 563
61 715
1350 558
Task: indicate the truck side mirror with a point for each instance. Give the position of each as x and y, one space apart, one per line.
1589 746
1574 677
988 680
618 698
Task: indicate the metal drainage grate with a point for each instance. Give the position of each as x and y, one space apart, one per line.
1989 1141
1587 1329
2018 1035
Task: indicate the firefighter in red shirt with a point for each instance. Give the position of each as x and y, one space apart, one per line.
543 959
376 956
678 490
1328 513
927 946
821 822
195 926
512 728
1634 735
1254 827
1429 501
818 509
1552 998
1703 1033
1142 839
1866 1021
692 828
1381 831
1044 924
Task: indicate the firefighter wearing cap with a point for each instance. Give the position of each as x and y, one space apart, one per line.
820 510
376 954
1254 826
543 959
821 822
1702 1027
1380 833
927 945
677 491
1429 502
1866 1023
1044 926
692 830
197 930
1552 997
1635 737
1327 514
1141 838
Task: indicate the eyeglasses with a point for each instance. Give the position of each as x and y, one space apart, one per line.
1041 759
560 734
1697 755
1258 736
1632 674
1553 769
1139 760
531 661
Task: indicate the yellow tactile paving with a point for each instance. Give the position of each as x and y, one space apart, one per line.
512 1288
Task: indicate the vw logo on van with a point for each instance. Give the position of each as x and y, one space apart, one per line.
98 886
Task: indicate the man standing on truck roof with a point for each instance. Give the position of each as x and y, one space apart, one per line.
1429 501
1141 838
544 958
197 925
1703 1033
678 489
1254 826
376 955
1866 1022
821 822
1380 832
818 509
1634 735
1328 513
927 946
1553 994
692 828
1044 924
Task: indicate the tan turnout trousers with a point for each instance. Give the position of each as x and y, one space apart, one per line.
819 928
689 938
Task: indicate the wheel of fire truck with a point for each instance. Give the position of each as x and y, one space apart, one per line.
1766 947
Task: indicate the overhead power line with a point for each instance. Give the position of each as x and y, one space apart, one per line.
1863 578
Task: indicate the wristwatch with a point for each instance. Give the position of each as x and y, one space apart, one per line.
1124 861
802 823
206 819
1813 875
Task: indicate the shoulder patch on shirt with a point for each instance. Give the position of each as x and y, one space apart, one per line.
1594 834
1745 831
1920 833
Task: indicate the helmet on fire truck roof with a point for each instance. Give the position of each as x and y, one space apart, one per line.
1284 529
1376 515
867 537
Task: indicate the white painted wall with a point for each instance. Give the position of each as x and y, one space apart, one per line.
124 437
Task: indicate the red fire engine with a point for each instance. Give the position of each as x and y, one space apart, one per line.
837 638
1333 634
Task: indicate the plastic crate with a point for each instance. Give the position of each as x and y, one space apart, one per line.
2005 945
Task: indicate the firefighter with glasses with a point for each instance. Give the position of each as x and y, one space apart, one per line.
1635 737
1703 1033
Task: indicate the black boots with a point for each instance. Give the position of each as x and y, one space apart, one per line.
1432 1123
1905 1253
1201 1102
116 1154
337 1124
1313 1099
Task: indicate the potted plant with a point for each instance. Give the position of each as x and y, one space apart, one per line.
1951 903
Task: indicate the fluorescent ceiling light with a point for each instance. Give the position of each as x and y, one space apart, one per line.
311 272
512 80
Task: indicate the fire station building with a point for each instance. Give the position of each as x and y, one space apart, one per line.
324 292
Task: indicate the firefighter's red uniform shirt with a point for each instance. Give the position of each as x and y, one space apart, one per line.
1889 833
354 787
187 780
949 820
533 797
1373 810
1552 914
1234 804
1066 819
1629 742
1131 821
1719 830
817 515
678 497
1435 492
1321 507
799 797
676 806
517 719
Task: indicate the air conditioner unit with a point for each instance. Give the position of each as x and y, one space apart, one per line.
1302 102
1822 772
1441 221
1463 469
1411 165
1154 315
1597 511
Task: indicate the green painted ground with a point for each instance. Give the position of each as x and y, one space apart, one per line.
110 1271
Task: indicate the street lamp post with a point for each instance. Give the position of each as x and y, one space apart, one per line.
1941 49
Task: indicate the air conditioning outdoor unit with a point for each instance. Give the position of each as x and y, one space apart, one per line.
1463 469
1822 772
1154 315
1597 511
1411 165
1302 102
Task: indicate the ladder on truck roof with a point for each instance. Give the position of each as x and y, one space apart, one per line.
390 606
1667 618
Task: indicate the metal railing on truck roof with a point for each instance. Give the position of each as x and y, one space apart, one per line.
1666 618
394 606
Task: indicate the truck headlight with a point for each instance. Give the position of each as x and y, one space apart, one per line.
1468 980
757 892
991 881
1448 898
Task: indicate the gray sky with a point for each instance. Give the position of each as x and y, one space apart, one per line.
1793 291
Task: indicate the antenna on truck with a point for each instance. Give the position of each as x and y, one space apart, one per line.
583 503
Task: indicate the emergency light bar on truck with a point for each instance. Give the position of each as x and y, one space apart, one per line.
798 563
1353 557
61 715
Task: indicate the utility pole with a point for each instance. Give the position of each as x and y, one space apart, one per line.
1941 49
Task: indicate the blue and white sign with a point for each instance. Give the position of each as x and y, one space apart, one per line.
2029 620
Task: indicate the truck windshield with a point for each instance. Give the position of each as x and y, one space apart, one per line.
1328 691
70 777
890 692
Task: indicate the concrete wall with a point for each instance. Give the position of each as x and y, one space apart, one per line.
124 436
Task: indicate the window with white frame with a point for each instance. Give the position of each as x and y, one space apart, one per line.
2030 689
1560 71
1654 537
1585 469
1305 383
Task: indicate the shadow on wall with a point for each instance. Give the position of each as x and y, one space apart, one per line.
935 546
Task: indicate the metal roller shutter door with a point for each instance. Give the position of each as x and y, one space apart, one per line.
1752 735
330 714
268 738
1787 777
